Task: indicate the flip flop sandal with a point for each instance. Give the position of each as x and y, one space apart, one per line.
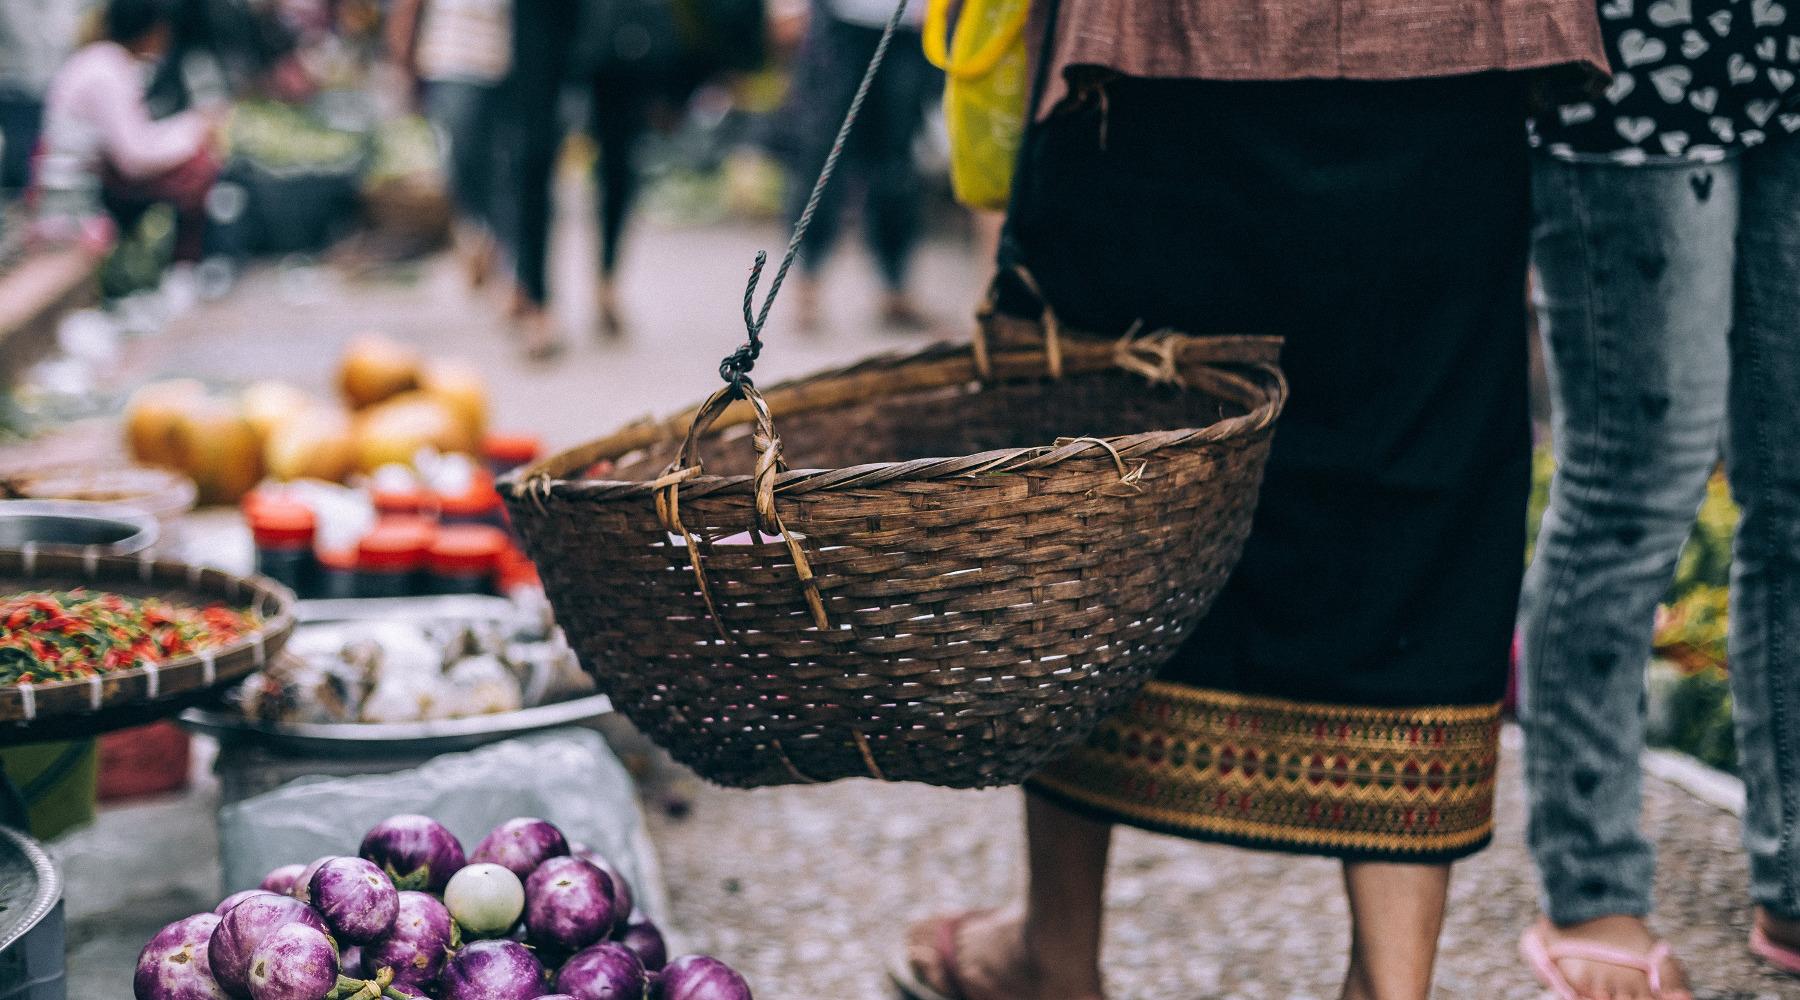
1542 955
1780 956
905 975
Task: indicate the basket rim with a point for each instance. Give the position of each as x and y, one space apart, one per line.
940 365
53 567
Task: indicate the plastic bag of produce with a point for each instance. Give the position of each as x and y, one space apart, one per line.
985 69
568 777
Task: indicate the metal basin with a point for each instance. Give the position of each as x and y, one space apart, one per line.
75 524
32 931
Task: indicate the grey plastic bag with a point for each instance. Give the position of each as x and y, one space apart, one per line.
568 776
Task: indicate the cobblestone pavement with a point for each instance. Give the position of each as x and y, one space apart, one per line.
808 889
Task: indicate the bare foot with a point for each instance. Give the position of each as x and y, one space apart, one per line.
899 313
992 962
479 254
538 335
808 315
1601 981
607 317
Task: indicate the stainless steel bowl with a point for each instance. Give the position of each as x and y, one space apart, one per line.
32 929
75 524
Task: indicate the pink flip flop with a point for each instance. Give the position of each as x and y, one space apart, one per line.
1780 956
1542 955
905 975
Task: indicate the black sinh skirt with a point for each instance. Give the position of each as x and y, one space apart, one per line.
1343 696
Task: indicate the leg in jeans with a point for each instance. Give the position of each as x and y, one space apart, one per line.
543 32
1634 267
894 115
21 121
619 120
534 167
462 113
830 69
620 117
1765 477
455 110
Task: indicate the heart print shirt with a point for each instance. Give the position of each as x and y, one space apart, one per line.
1693 80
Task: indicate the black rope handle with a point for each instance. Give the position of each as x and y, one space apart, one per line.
735 368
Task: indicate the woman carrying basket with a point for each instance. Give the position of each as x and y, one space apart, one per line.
1352 176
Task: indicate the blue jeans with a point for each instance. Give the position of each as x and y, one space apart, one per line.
465 115
1670 307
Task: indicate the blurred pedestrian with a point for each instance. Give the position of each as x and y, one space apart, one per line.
460 51
631 55
35 38
1358 186
544 39
1667 248
878 161
102 150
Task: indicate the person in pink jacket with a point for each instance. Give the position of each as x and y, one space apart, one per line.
102 153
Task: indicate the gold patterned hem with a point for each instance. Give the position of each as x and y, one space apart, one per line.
1404 783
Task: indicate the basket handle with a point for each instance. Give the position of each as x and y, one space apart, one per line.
987 320
768 520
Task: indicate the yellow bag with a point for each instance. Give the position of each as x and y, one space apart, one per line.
984 93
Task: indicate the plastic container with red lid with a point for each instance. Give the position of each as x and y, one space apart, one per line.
337 574
506 452
465 559
478 505
283 531
390 559
411 502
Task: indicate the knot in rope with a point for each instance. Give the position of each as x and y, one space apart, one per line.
735 367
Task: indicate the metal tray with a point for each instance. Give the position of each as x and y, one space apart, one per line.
359 739
29 886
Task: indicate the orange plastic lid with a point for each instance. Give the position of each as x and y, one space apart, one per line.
281 524
340 560
394 544
516 570
463 549
480 499
408 501
511 449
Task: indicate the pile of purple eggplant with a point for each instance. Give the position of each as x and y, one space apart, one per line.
527 916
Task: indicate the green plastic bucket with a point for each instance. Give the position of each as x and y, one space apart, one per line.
58 783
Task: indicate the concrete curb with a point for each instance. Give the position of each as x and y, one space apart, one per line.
1708 784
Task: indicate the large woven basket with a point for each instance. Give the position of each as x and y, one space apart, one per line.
968 564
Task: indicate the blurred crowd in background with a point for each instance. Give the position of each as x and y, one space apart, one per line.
185 138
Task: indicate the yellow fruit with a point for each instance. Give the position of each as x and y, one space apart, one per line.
151 416
393 432
316 444
375 368
270 404
218 448
461 388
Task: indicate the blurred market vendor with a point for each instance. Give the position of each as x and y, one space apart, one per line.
103 155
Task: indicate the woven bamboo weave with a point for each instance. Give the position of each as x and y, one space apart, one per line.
903 569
